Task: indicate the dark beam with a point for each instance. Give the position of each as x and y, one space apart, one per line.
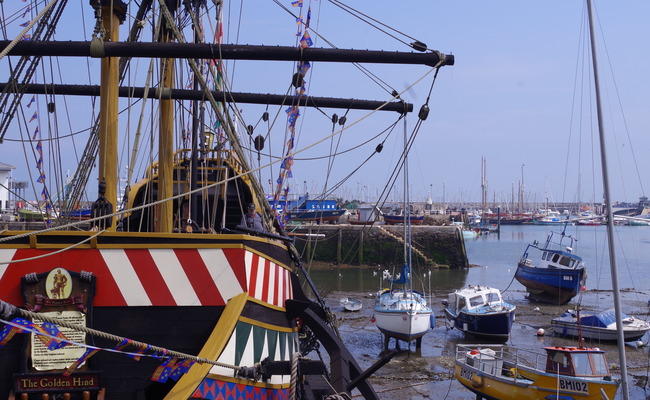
224 51
189 94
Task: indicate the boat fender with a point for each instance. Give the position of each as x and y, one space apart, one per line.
477 381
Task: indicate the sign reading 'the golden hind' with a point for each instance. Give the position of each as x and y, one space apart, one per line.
61 294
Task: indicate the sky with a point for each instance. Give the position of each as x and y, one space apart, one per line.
520 95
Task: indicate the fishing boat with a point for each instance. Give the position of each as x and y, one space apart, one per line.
395 219
557 275
350 304
168 275
500 372
599 326
480 311
315 210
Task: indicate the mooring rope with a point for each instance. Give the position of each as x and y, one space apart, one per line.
294 375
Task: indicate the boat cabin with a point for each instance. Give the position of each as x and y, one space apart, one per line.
472 298
559 259
576 361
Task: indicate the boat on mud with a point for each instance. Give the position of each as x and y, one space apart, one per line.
600 326
164 293
552 272
500 372
400 311
480 311
350 304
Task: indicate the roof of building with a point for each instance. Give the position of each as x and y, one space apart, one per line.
6 167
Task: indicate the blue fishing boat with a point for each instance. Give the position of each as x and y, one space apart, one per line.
557 275
316 210
480 311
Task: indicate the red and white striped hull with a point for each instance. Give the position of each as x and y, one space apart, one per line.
156 277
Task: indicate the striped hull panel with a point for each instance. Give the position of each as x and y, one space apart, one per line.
157 277
250 344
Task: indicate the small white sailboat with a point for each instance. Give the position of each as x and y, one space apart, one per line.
400 311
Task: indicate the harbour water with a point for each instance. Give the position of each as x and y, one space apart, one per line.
427 372
494 258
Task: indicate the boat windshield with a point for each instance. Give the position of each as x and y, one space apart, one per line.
476 301
493 298
577 363
600 364
566 262
581 364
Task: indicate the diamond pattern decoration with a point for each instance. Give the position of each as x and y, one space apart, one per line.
212 389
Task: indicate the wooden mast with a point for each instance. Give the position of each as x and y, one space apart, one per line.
164 211
112 15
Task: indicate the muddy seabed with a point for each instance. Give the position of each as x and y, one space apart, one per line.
428 372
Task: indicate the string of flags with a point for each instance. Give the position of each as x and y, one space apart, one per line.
293 112
39 161
53 339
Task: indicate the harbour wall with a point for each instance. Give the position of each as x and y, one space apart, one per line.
432 246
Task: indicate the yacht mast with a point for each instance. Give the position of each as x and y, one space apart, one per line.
610 215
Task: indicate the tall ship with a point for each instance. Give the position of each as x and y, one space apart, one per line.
187 286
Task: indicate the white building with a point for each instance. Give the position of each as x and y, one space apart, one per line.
5 184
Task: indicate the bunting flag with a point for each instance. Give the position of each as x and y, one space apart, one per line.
27 37
303 67
293 112
306 41
164 370
90 351
31 101
181 368
25 24
161 354
9 331
25 13
33 116
35 133
142 350
51 329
